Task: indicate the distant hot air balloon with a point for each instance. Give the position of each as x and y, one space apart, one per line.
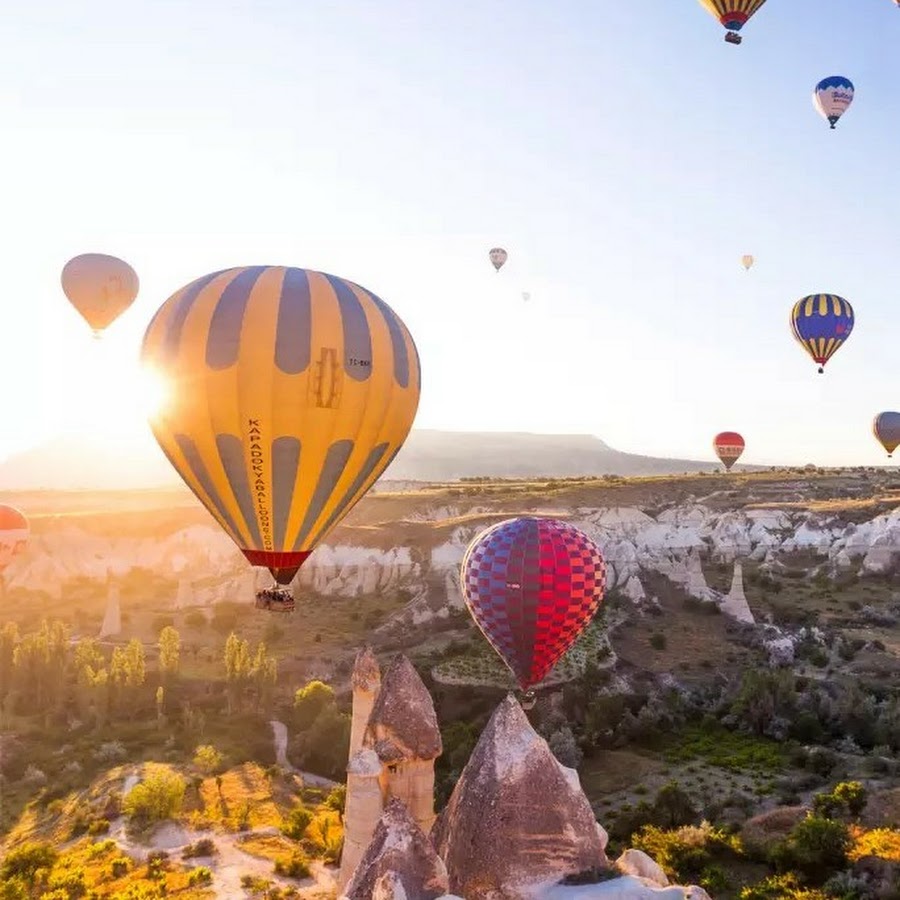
821 323
13 535
100 287
526 296
292 392
747 262
886 428
729 446
733 14
532 585
498 257
832 97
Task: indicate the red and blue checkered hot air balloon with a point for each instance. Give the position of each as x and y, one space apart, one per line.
821 323
532 585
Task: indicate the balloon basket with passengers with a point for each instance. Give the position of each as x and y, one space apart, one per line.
275 600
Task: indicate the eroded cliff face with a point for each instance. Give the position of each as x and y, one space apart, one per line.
205 567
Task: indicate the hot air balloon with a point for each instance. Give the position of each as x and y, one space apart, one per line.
821 323
100 287
13 535
292 391
747 262
733 14
832 97
729 446
886 428
498 257
532 585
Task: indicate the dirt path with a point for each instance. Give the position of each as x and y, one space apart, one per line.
280 737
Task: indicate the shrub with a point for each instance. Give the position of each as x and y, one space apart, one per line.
203 847
200 875
26 860
294 866
684 853
207 759
337 799
119 867
816 846
157 797
658 641
297 821
98 826
780 887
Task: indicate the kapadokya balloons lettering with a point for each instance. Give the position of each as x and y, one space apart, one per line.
532 585
498 257
100 287
821 323
832 97
732 14
729 446
747 262
292 391
886 428
14 532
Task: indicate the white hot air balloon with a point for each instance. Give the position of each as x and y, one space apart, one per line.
747 262
832 97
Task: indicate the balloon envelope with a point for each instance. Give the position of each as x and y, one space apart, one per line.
498 257
821 323
887 430
747 261
100 287
832 97
14 532
733 14
729 446
532 585
292 391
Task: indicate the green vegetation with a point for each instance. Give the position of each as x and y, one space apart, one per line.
726 749
158 797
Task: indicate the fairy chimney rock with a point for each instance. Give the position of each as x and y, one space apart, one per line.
403 731
516 816
735 604
366 683
363 808
400 863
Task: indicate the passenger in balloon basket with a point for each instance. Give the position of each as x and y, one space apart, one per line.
275 599
732 37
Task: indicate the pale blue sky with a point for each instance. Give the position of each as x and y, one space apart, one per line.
621 151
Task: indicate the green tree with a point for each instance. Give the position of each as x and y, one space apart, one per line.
207 759
310 701
169 652
9 638
264 675
324 746
26 861
159 796
818 847
238 667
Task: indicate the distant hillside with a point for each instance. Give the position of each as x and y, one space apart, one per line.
450 455
77 463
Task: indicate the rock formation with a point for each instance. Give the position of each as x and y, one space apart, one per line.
395 723
399 862
516 816
403 730
735 604
366 682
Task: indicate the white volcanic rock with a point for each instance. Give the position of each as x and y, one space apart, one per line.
399 863
735 604
629 887
780 651
636 862
634 590
516 816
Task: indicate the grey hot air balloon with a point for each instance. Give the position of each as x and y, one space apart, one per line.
887 430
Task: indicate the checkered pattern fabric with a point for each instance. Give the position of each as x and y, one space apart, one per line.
532 585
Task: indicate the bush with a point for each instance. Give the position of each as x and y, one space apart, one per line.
658 641
310 701
200 875
26 860
294 866
685 853
203 847
297 822
337 798
119 867
98 826
817 847
780 887
207 759
157 797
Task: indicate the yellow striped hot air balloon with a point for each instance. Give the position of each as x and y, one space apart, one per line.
291 392
820 324
732 14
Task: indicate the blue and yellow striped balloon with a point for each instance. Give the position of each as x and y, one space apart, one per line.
291 392
821 323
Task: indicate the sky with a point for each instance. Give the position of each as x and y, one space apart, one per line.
621 151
